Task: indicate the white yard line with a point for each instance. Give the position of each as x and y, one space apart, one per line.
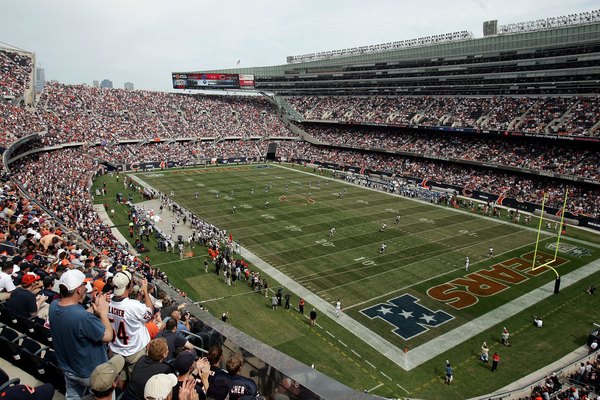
444 251
376 387
369 248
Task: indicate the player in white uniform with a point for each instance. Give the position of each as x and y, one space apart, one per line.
467 263
382 248
338 308
491 252
383 227
128 318
331 232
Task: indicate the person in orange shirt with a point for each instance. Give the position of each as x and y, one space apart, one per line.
155 325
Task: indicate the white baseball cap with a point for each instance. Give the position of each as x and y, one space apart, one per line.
120 282
159 386
73 278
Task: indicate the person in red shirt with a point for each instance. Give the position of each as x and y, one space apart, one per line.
495 361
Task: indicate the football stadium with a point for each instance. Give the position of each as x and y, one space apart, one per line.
416 219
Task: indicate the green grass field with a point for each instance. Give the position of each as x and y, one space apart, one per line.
425 258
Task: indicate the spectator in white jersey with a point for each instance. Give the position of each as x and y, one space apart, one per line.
128 319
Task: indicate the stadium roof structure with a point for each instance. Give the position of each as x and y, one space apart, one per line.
538 57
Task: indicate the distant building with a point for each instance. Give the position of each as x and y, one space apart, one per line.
40 79
128 86
106 84
95 83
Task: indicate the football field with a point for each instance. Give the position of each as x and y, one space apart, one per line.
415 290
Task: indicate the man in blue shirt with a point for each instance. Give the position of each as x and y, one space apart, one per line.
79 337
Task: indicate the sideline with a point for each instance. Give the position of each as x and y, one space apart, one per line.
105 218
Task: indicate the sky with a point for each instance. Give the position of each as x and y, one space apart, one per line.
143 41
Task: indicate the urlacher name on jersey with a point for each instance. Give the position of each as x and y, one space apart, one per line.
116 311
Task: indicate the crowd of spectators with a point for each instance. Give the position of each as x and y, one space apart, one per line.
15 122
85 114
574 116
15 73
586 376
15 78
530 154
582 199
70 183
582 383
185 153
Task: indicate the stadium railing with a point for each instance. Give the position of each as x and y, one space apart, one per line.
270 368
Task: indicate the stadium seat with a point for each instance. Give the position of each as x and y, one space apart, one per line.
39 332
54 374
7 316
10 348
6 381
24 325
32 360
196 340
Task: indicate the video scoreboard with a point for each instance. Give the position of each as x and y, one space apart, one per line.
201 80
